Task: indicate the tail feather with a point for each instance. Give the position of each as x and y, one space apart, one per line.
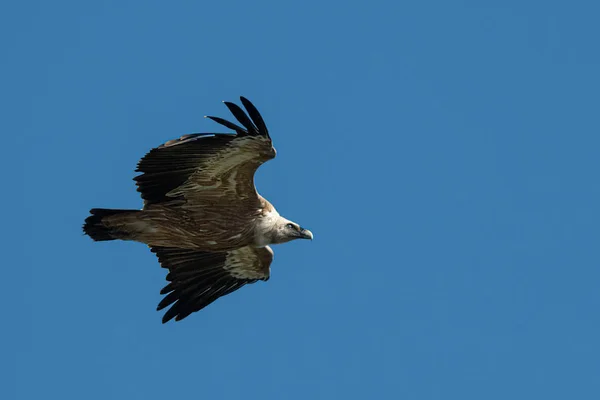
98 229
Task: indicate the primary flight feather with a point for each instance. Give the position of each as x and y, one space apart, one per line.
202 215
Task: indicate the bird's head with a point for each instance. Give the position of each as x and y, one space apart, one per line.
287 231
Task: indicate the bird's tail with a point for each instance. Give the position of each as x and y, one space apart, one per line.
108 224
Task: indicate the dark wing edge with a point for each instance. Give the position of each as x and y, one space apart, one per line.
197 278
169 165
255 125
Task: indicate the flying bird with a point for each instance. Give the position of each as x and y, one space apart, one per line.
202 215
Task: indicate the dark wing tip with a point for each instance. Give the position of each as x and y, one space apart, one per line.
169 315
255 115
252 125
238 129
241 116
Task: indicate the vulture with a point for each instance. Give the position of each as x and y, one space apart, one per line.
202 215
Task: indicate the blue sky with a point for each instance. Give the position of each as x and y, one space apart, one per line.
445 155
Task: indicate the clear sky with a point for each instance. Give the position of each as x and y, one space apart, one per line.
445 155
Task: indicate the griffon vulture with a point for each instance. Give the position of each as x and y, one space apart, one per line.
202 215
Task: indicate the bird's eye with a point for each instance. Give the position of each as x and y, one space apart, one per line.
291 226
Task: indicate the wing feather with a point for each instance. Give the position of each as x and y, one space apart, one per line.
255 115
196 278
200 166
242 118
240 131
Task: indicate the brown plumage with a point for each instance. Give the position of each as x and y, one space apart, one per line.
202 215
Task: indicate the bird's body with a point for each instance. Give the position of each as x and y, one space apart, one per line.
173 225
202 215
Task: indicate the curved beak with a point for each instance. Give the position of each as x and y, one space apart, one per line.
306 234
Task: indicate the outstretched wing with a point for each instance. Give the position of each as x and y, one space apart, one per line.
208 168
198 278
